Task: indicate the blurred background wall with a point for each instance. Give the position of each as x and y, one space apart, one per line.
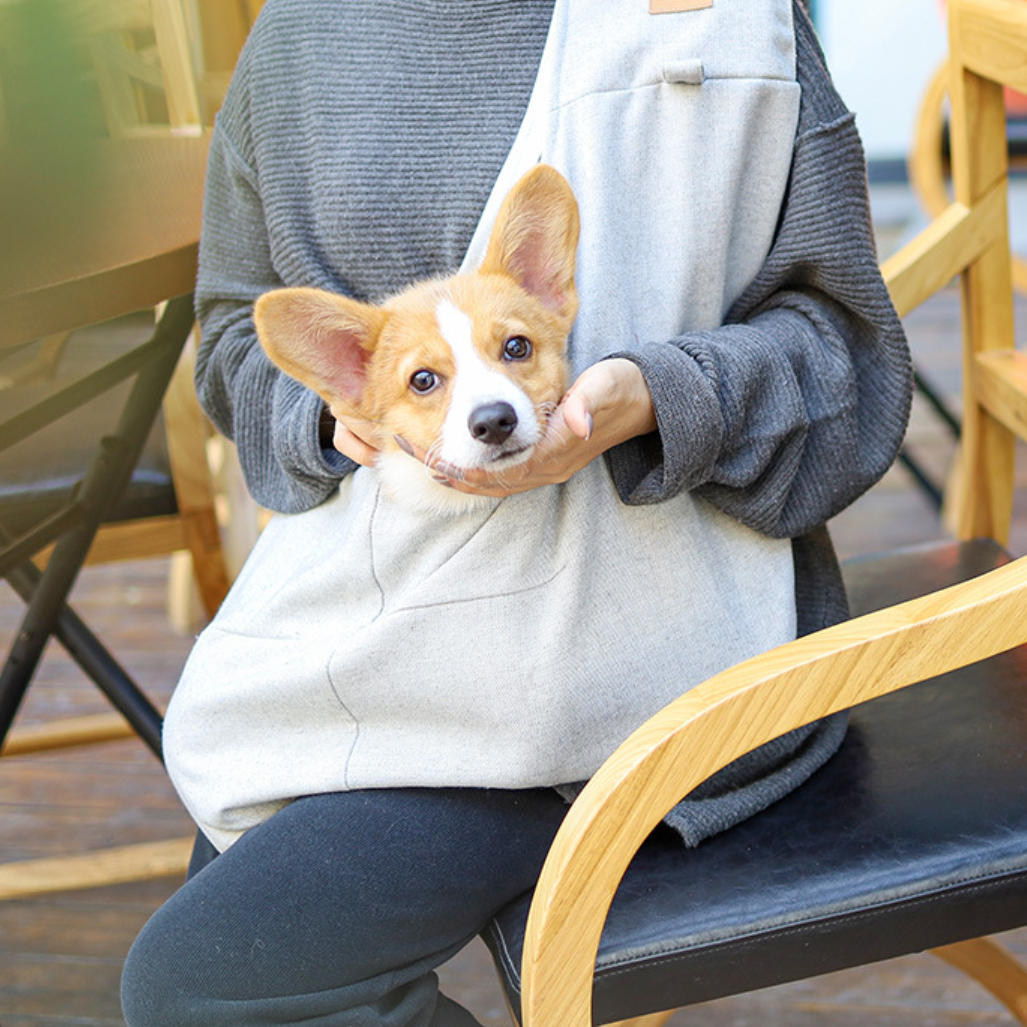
882 54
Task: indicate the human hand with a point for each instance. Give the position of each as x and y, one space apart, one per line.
353 437
607 405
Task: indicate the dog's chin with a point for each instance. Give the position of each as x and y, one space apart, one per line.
406 481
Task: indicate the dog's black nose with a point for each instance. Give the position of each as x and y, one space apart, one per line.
492 423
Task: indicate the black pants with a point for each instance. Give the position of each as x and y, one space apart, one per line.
338 909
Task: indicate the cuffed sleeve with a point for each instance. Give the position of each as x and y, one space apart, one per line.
799 403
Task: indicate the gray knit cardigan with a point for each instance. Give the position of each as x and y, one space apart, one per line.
355 152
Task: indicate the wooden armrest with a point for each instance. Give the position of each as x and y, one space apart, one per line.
946 247
715 723
1002 384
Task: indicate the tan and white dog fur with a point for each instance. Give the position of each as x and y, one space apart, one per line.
464 370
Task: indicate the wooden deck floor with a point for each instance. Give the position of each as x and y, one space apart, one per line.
61 955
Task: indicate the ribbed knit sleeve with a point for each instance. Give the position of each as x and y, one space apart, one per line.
271 417
799 403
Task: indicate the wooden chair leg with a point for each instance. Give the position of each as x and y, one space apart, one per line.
994 968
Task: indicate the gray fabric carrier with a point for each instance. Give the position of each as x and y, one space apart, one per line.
367 646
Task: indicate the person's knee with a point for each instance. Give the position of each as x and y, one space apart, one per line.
159 988
162 989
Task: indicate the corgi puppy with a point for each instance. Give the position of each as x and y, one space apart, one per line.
465 370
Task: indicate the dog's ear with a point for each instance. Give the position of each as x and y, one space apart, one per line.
321 339
535 239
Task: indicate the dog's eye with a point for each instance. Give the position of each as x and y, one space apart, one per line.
517 348
424 381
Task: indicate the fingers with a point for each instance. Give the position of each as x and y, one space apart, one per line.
612 393
577 415
354 437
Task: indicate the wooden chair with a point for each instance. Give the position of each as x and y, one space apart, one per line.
133 73
222 25
181 501
914 836
140 51
101 282
136 61
171 503
168 509
168 506
927 166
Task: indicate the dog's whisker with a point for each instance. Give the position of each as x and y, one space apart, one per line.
431 459
549 432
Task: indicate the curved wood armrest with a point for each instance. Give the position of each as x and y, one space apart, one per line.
715 723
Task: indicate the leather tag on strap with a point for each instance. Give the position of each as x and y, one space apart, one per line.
677 6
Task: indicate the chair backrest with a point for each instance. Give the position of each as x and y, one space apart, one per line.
988 51
146 56
126 70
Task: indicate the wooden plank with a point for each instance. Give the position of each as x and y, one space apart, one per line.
54 832
49 990
82 925
96 869
136 540
71 731
132 540
71 781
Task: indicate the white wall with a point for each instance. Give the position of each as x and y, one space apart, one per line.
881 54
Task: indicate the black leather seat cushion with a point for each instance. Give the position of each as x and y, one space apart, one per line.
38 474
913 835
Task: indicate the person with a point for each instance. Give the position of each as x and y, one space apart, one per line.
366 732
